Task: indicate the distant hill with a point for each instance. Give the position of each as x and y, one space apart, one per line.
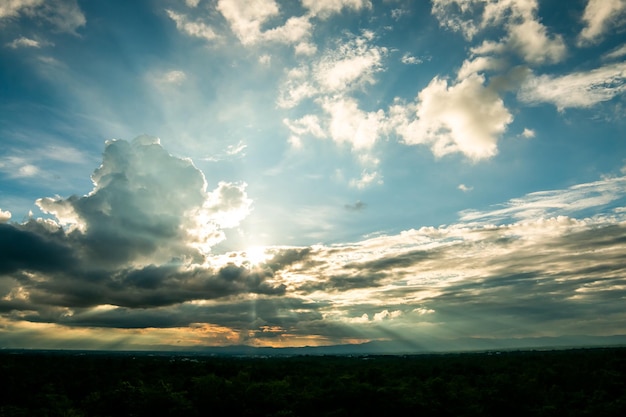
416 347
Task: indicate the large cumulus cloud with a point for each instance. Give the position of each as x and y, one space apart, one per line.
147 206
140 239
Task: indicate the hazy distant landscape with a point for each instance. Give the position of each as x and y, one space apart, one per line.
575 382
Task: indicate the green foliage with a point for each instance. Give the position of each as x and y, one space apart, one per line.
574 383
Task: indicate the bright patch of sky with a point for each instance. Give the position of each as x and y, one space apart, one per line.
347 170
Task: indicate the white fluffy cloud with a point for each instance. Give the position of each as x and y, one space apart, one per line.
15 7
525 34
330 82
293 32
599 16
324 8
578 89
479 64
349 124
350 66
246 17
309 124
246 20
465 117
5 216
197 28
530 40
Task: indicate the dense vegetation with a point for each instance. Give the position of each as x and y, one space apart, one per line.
584 382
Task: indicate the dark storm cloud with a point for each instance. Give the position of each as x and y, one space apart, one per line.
287 257
33 248
286 313
401 260
152 286
357 206
340 283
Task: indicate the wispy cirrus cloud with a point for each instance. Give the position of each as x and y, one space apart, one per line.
578 89
24 42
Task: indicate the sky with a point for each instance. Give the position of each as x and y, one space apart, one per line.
189 173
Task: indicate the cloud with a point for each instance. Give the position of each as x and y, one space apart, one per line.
265 60
465 188
19 167
396 14
576 200
140 239
525 34
599 16
63 15
330 81
366 179
197 29
528 263
465 117
245 19
305 49
350 66
578 89
169 78
231 152
409 59
24 42
147 205
39 163
357 206
309 124
349 124
13 9
325 8
528 133
294 31
531 41
66 15
616 53
477 65
5 216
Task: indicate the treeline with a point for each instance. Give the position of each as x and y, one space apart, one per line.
585 382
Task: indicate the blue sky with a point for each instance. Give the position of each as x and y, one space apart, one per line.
288 173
